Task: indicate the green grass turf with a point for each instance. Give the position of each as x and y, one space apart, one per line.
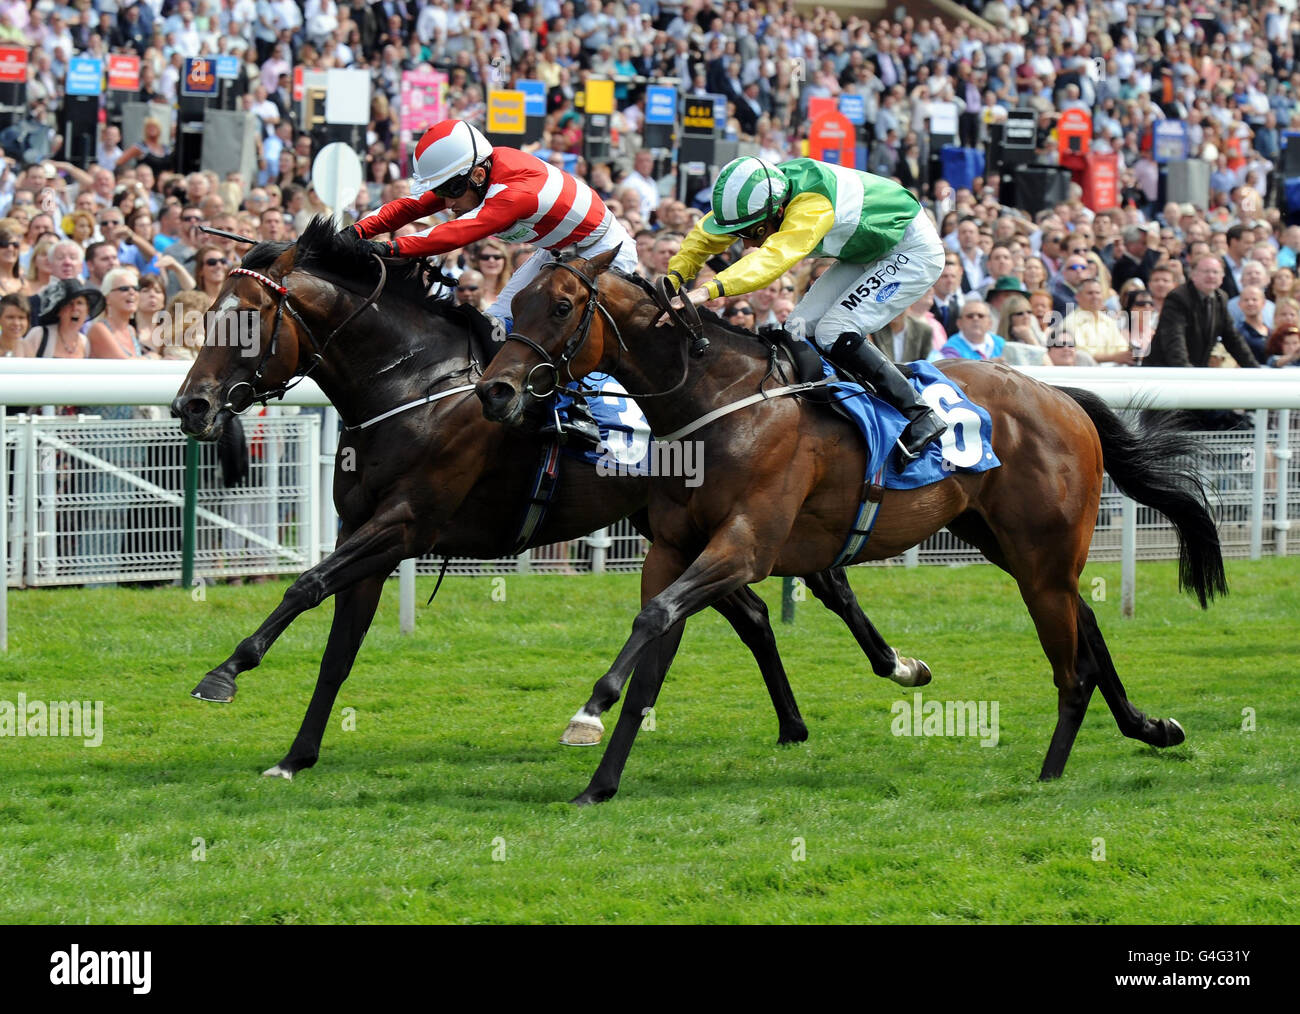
454 765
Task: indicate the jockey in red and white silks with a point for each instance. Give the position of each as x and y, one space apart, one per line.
502 192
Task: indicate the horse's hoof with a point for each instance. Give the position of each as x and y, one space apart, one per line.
910 672
215 687
797 734
1174 732
590 798
278 772
582 733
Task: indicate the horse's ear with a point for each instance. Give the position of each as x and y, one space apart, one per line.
599 264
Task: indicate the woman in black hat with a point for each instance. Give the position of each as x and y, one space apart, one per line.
65 306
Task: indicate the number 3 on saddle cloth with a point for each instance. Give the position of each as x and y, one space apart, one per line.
966 446
624 448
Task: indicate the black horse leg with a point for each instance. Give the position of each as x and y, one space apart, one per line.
354 609
1133 723
834 592
375 548
747 614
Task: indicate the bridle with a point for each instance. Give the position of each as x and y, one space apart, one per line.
318 348
574 344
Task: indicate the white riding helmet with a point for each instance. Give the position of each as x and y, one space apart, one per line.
447 150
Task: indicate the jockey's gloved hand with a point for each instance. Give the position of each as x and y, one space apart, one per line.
382 247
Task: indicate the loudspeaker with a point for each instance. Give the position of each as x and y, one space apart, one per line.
230 143
1188 182
1038 187
79 125
1291 156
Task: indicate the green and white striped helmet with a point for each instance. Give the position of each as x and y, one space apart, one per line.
748 191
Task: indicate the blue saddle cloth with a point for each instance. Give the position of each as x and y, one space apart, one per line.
967 446
624 431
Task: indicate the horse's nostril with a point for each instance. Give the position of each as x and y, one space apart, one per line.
496 398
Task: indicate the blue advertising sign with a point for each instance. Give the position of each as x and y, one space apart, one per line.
85 76
228 67
534 97
661 104
854 109
1169 141
200 78
720 111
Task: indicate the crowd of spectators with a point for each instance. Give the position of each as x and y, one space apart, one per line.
108 245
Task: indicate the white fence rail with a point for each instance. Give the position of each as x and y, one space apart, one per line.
99 501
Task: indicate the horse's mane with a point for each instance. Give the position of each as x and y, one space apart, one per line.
326 250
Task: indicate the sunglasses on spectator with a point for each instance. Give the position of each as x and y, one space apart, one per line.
1076 267
736 311
212 262
491 257
13 243
787 288
127 288
191 218
112 222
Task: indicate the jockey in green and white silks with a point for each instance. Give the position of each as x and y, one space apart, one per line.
888 249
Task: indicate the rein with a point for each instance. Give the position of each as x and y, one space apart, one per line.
318 348
576 341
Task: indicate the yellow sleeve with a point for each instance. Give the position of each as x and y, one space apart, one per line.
808 218
696 248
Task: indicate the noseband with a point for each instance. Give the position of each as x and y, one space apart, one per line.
576 341
318 348
579 338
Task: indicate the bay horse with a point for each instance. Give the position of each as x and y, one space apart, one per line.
786 480
433 476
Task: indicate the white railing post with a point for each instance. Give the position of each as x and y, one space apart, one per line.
1283 454
599 543
912 557
1257 489
1128 554
47 470
329 443
310 466
406 596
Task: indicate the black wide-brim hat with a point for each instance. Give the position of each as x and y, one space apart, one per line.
61 292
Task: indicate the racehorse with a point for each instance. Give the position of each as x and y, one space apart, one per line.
786 482
419 469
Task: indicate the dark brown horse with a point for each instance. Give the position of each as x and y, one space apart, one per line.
433 477
785 480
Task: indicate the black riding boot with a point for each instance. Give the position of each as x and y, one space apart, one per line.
579 431
862 359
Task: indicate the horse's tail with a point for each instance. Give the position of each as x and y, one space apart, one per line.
1155 467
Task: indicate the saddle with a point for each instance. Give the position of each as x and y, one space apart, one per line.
806 363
